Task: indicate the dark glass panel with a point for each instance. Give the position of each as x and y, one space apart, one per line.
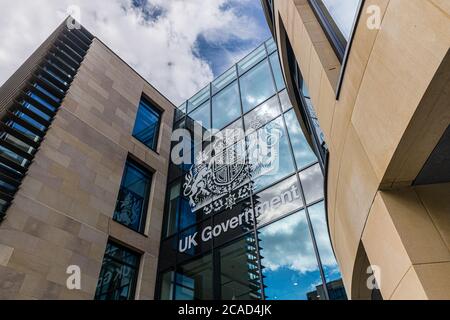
239 273
194 280
118 274
146 127
133 197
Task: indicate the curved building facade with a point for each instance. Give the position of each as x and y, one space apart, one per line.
369 81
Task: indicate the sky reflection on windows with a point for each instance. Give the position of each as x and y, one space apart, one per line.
291 269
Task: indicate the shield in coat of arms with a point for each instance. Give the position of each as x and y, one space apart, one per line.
227 166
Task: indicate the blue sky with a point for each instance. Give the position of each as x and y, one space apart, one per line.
219 55
177 45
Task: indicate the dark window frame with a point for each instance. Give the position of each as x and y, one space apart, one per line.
151 107
340 45
331 29
148 173
136 268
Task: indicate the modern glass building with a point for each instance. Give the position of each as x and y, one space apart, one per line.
252 226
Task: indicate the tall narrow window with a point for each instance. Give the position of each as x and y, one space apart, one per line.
118 275
132 203
146 128
337 21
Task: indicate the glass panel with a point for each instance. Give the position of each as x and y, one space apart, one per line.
198 99
319 223
133 197
170 248
30 120
192 242
180 112
271 46
48 94
36 111
146 127
232 224
290 266
261 115
24 131
226 106
239 273
167 285
256 86
276 67
265 147
225 79
118 275
13 156
173 209
281 199
312 183
202 115
343 15
252 59
18 143
285 100
303 153
42 101
195 280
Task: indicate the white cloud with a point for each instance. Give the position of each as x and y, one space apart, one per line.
163 50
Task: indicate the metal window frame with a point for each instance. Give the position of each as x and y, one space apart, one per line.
131 162
331 29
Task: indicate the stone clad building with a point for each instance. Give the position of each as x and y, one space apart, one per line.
370 82
68 131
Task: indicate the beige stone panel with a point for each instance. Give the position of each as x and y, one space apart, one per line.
435 280
325 107
443 5
359 54
413 223
147 281
128 236
315 77
332 66
356 189
424 131
313 31
435 199
10 283
392 88
345 248
5 254
293 18
384 248
409 288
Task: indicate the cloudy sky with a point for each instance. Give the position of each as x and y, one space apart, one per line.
177 45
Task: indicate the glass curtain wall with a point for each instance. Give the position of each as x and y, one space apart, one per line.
267 239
